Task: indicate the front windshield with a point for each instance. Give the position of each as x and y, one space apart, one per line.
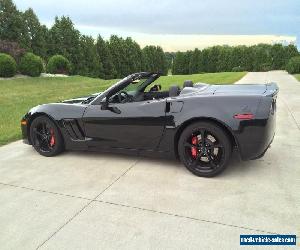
135 85
131 90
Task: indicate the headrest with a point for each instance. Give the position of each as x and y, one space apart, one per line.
174 91
188 83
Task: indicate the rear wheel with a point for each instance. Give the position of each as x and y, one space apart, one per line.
204 148
46 137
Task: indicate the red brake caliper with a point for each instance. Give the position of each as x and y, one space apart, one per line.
52 137
194 149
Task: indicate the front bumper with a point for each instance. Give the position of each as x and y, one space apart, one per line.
24 129
26 141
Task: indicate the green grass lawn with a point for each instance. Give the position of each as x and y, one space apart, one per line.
297 77
17 96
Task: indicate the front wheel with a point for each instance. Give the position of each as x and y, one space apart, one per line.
45 136
204 148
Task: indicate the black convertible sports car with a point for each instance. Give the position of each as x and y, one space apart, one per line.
200 123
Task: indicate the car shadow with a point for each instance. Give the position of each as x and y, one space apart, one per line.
235 166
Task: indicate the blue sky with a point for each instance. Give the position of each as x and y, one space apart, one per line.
163 20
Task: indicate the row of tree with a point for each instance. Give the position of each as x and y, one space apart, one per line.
114 58
118 57
261 57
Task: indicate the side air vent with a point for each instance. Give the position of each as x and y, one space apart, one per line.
73 128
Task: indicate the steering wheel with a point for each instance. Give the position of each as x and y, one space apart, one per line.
124 97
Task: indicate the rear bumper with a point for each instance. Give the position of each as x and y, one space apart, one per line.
255 136
263 153
255 142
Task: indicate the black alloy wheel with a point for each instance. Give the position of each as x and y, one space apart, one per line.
45 136
204 148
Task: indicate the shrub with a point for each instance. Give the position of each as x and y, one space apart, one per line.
238 69
31 65
58 65
8 66
293 65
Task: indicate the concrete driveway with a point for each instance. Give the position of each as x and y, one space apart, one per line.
103 201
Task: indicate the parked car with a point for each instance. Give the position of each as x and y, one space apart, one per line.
200 123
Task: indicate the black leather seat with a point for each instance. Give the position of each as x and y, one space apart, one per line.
174 91
188 83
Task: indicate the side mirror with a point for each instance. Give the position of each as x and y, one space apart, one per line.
105 106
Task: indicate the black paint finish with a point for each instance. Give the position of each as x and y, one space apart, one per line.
154 126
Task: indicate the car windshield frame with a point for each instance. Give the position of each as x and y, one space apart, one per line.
149 77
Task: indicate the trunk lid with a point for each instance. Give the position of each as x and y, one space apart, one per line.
238 89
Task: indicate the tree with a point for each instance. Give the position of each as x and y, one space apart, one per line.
64 39
36 33
126 55
278 56
196 62
213 55
293 65
89 63
178 63
239 57
117 50
154 60
12 27
224 61
181 63
169 57
104 56
118 57
161 61
262 58
133 56
290 51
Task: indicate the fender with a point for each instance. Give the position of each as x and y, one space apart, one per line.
68 119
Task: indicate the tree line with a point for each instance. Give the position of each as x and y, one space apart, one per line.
112 58
261 57
117 57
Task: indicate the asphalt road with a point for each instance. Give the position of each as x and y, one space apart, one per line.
103 201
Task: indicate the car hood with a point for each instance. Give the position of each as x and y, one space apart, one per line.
84 99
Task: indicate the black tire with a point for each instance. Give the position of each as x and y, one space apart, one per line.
46 137
208 158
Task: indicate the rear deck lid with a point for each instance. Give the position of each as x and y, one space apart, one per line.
255 89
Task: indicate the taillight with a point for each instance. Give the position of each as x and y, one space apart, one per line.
248 116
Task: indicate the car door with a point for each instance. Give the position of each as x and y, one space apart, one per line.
135 125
